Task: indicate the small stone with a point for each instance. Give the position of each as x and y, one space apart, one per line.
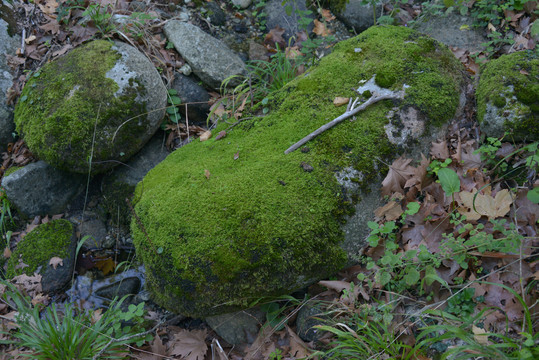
186 70
305 149
307 167
242 3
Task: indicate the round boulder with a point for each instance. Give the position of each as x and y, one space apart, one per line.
92 108
508 96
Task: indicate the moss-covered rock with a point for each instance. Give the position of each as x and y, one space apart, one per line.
508 96
100 103
223 223
33 253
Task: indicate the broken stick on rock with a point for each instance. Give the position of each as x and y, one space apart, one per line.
378 94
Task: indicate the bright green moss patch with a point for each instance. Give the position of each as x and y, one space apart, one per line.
510 84
39 246
64 102
12 169
234 231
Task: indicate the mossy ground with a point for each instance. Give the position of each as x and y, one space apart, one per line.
64 102
39 246
520 71
261 225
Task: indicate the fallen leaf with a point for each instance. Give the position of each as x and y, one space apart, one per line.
40 299
492 207
205 136
105 265
390 211
237 155
55 261
7 253
207 174
190 345
340 101
48 7
298 348
320 29
275 39
491 27
326 14
29 39
221 135
439 150
399 172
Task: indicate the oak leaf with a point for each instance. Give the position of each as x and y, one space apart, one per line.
190 345
320 29
399 172
55 261
479 204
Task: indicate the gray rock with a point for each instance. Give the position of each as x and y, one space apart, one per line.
309 316
210 59
106 102
120 185
354 15
190 91
8 45
277 16
238 328
453 30
215 14
96 230
40 189
244 4
127 286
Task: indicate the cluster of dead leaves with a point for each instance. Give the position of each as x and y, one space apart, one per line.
17 154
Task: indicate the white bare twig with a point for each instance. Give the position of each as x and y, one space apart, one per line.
351 110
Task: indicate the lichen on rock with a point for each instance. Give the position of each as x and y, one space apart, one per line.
508 96
218 232
97 105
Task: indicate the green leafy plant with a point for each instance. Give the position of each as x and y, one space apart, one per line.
172 109
72 333
260 14
101 17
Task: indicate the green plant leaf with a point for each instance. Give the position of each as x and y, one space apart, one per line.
175 100
533 195
449 180
412 276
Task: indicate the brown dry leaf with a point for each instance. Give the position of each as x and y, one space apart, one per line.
479 335
390 211
29 39
326 14
55 261
439 150
48 7
293 52
262 345
320 29
190 345
52 27
492 207
105 265
237 155
491 27
275 38
40 299
399 172
205 136
298 348
7 253
31 284
340 101
221 135
216 346
207 173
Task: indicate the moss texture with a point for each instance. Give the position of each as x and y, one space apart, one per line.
234 231
510 83
62 104
40 245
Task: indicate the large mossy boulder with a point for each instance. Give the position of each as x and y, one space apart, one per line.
98 104
508 96
223 223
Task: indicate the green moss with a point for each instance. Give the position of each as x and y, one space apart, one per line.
509 76
58 107
261 225
39 246
12 169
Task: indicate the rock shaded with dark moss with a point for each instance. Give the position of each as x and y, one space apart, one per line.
508 96
33 253
223 223
98 104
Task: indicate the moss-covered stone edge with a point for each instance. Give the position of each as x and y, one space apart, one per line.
261 221
519 70
63 102
39 246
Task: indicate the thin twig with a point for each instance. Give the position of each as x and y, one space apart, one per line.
373 99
